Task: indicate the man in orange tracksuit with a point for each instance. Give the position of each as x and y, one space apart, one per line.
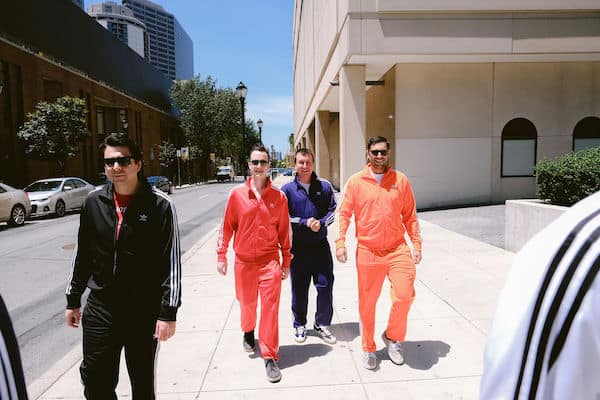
383 205
258 214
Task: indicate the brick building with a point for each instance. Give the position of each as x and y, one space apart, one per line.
80 59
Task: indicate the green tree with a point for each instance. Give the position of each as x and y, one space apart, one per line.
210 119
195 99
167 156
54 130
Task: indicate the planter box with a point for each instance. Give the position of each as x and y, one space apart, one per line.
525 218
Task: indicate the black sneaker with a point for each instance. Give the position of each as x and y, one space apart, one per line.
273 372
249 342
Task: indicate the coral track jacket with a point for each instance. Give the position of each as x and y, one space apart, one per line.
261 226
383 213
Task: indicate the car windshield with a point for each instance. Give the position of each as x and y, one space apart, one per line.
43 186
224 169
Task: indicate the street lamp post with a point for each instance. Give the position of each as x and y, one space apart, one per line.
240 91
259 123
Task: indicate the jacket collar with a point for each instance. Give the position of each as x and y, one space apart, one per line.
249 185
107 192
366 173
313 179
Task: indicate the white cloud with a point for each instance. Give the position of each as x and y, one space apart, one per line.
273 110
277 113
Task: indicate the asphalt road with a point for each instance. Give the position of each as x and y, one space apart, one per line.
35 260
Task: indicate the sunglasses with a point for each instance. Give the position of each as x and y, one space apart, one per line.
122 161
261 162
375 153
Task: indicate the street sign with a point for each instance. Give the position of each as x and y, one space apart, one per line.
185 153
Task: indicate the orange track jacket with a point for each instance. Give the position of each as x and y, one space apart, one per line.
262 226
383 213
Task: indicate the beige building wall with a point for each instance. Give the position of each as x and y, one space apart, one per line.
443 131
451 75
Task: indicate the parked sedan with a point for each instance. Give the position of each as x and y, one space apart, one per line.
160 182
14 205
57 195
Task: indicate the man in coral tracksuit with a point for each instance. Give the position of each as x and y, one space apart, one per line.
383 205
258 214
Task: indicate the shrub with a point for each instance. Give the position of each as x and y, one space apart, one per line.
566 180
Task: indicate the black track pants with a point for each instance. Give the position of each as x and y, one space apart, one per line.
104 336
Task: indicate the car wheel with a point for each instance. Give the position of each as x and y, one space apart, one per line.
60 208
17 216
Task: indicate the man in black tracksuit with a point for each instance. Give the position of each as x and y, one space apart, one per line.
128 256
12 381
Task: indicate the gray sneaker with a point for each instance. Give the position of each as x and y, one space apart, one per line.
394 350
369 360
325 334
273 372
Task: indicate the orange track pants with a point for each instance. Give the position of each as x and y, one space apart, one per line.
250 279
372 268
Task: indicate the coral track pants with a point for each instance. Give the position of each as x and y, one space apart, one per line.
372 268
250 280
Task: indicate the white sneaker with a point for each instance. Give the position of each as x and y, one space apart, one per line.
300 334
394 350
369 360
325 334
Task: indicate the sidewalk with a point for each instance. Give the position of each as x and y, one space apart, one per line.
457 285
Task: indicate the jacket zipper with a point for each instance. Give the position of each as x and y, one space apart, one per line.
115 243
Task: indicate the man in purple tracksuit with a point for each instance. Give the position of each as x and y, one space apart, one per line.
311 204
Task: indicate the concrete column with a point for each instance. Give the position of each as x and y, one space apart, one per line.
321 147
310 137
353 126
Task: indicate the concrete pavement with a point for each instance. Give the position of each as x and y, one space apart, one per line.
457 285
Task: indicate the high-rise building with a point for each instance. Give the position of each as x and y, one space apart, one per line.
120 21
171 49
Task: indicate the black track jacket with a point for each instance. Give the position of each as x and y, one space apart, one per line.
141 271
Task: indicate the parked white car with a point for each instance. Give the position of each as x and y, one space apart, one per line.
14 205
57 195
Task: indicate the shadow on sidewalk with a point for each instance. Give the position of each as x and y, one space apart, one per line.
290 355
420 354
346 331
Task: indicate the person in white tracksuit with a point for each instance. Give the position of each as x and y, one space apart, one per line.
545 337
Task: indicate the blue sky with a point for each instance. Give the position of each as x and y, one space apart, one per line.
248 41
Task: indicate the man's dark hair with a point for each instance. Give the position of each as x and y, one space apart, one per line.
261 148
377 139
306 152
122 139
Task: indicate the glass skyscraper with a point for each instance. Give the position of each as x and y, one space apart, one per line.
171 49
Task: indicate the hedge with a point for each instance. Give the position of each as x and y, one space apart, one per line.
566 180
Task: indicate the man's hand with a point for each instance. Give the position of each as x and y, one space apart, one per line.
222 267
285 272
164 330
313 224
341 254
417 256
73 316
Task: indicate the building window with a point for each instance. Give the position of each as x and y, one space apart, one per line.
519 144
100 122
586 134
